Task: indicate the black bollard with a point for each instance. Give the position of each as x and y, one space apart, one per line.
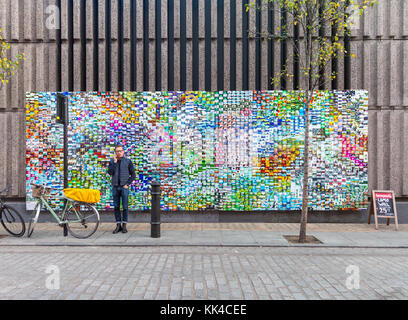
155 214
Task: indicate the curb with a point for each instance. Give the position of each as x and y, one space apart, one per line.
198 245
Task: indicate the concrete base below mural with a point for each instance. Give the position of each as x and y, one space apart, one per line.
213 216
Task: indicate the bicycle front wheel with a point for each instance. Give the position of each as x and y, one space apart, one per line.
34 219
12 221
82 220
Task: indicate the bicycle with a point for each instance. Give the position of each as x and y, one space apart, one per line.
11 219
80 218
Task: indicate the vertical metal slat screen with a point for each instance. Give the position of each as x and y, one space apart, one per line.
196 61
180 16
145 45
207 45
296 59
258 68
271 46
321 35
95 14
70 45
283 47
108 48
183 44
347 58
220 45
59 49
133 42
245 57
170 47
233 46
120 46
83 44
334 68
158 51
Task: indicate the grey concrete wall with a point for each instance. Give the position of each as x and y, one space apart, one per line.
360 216
380 42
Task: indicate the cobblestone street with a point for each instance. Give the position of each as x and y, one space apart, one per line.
201 273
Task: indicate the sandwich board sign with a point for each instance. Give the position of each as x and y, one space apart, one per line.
383 205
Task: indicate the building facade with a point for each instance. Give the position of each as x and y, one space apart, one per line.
140 45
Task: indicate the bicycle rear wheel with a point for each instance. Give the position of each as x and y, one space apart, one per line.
34 219
12 221
82 220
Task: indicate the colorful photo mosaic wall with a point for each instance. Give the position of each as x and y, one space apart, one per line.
235 150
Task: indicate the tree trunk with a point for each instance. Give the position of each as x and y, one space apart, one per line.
308 98
305 195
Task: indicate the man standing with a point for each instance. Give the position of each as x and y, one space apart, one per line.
123 173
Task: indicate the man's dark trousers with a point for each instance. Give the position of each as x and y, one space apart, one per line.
123 173
118 194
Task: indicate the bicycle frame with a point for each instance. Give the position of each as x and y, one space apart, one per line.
59 219
53 213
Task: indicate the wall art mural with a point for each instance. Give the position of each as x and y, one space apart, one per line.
231 150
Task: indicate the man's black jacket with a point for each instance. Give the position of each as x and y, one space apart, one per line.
126 169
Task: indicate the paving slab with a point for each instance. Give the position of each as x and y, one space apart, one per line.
212 237
217 234
334 238
236 237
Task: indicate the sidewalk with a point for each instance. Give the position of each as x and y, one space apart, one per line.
220 234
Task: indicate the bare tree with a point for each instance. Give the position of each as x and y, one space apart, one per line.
313 51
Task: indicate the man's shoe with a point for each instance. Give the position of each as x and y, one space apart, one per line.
118 228
124 230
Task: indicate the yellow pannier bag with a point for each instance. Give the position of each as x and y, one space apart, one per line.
83 195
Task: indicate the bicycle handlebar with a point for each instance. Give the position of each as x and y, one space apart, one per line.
37 185
42 186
